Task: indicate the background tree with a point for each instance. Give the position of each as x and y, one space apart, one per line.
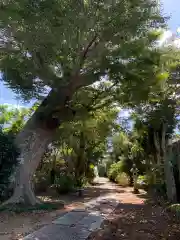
127 151
155 124
88 140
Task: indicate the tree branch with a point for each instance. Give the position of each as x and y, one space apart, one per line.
84 53
86 50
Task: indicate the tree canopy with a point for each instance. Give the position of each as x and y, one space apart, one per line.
82 59
46 45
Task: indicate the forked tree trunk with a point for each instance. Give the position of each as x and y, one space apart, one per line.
33 140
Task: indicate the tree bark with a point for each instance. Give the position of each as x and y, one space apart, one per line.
158 163
131 180
157 146
170 181
80 164
168 169
178 159
32 145
33 140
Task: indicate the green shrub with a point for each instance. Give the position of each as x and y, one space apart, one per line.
150 183
90 174
142 182
80 182
8 161
114 170
41 182
108 165
64 184
102 170
122 179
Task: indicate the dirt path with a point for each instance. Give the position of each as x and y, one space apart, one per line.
132 220
15 226
135 219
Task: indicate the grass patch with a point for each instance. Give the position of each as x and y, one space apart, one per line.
20 208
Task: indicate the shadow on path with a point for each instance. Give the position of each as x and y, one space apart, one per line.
139 222
99 188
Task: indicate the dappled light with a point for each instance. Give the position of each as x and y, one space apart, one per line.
138 220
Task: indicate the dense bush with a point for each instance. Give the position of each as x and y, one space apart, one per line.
116 174
147 183
90 174
8 161
122 179
64 184
142 182
102 170
114 170
46 173
41 182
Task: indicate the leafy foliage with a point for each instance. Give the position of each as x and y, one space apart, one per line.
64 184
55 43
116 174
114 171
86 140
122 179
8 161
98 54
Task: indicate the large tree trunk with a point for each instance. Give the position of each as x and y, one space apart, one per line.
170 181
33 140
80 164
168 169
32 144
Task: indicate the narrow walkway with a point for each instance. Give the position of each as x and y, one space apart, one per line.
117 214
80 223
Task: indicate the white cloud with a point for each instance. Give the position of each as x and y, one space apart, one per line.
177 43
170 38
166 36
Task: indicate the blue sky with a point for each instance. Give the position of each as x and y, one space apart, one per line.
170 8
